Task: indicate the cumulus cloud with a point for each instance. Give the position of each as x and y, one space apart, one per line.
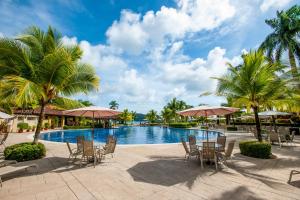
267 4
135 34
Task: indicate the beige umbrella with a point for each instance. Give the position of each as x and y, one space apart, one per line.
208 111
93 112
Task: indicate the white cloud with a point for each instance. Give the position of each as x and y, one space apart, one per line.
267 4
135 34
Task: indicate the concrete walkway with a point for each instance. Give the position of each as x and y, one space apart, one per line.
155 172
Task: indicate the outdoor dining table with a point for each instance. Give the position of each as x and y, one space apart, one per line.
200 144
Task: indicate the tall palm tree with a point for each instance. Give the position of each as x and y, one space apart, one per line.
133 114
36 68
285 37
152 116
113 105
254 84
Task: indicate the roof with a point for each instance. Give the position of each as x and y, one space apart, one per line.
5 116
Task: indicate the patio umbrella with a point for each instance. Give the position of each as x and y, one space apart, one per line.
93 112
273 114
208 111
5 116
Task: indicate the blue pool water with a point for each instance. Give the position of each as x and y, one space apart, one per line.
130 135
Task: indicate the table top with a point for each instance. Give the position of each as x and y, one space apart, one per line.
200 144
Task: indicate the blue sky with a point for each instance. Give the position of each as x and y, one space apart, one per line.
147 52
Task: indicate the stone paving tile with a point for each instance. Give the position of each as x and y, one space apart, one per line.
155 172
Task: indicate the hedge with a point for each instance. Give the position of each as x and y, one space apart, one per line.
22 125
231 128
183 124
255 149
24 151
76 127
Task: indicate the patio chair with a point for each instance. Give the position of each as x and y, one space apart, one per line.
3 137
276 137
73 152
188 153
293 172
89 152
193 143
224 156
9 168
108 148
208 152
79 141
221 140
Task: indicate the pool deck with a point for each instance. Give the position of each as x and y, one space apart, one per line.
155 172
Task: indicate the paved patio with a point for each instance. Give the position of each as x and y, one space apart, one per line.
155 172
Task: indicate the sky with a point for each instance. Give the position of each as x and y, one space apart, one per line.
147 52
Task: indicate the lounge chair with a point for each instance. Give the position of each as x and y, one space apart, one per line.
89 152
9 168
293 172
208 152
224 156
188 153
193 144
3 137
221 140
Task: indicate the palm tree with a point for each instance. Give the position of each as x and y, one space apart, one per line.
126 116
254 84
133 114
285 37
85 102
113 105
37 68
166 114
152 116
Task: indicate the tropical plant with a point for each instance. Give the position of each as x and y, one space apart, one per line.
133 114
176 105
37 68
255 84
151 116
285 35
86 102
126 116
113 105
166 114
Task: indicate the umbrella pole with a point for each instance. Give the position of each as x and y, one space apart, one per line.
93 130
206 126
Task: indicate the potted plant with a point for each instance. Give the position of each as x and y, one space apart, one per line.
46 126
28 128
22 126
33 128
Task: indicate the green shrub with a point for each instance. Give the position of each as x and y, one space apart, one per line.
46 125
22 125
180 125
193 124
76 127
24 151
255 149
231 128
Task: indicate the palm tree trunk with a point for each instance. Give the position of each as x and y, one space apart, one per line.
293 64
258 129
40 123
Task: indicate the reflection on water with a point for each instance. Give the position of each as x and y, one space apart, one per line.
130 135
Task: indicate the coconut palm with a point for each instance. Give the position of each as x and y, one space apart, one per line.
36 68
166 114
113 105
133 114
285 37
126 116
254 84
152 116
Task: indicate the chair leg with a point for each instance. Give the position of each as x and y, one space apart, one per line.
216 163
201 158
290 178
0 181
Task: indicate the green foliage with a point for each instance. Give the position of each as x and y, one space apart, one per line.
255 149
37 68
22 125
183 125
171 109
254 84
126 116
285 35
76 127
25 151
85 102
113 105
46 125
151 116
231 128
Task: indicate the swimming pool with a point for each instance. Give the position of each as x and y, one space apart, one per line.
130 135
